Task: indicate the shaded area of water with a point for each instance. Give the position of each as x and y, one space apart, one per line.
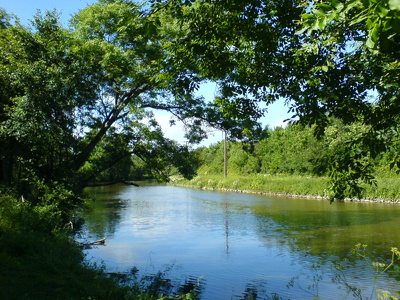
238 244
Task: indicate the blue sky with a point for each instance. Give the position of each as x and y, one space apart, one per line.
25 9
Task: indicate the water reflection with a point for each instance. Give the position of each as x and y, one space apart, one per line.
103 214
323 229
241 245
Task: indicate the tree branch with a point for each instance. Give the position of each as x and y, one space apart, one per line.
111 183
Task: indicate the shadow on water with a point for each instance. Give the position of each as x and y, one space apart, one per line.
103 212
320 229
161 283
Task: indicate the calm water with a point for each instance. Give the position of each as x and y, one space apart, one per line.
237 244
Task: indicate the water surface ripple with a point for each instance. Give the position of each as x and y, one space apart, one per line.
239 245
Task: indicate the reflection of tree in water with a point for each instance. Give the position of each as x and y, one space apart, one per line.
161 283
104 211
325 236
158 284
256 290
320 229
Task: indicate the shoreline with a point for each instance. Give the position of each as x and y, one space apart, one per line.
288 195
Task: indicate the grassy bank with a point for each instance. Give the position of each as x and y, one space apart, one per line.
289 185
40 260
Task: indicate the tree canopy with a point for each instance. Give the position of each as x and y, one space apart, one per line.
329 59
76 102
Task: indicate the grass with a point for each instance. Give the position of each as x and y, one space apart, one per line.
38 267
388 188
274 184
39 260
289 185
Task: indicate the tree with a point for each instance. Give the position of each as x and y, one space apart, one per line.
244 46
358 40
42 90
76 102
331 59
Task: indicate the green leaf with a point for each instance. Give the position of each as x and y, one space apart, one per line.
322 23
307 16
324 7
302 30
373 36
394 4
387 25
351 4
318 12
361 19
316 25
382 11
334 3
395 23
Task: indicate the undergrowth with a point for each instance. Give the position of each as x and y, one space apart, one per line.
40 260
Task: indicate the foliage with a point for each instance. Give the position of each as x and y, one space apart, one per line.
20 216
350 159
343 155
243 48
38 261
77 103
329 59
339 269
354 42
212 159
380 268
293 150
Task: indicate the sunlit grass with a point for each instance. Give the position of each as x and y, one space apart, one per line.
274 184
289 185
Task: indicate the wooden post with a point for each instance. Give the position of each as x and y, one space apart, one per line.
225 157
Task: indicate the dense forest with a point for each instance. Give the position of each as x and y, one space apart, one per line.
77 104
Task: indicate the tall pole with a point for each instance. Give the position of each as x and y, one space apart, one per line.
225 157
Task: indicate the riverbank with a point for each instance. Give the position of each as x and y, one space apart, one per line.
290 186
39 259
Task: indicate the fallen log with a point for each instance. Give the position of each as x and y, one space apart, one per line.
98 242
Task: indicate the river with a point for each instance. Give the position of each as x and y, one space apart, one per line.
238 246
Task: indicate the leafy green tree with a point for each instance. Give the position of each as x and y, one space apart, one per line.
245 46
212 159
76 102
349 158
330 58
242 159
293 150
43 89
356 45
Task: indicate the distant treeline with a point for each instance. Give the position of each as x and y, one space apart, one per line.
296 150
